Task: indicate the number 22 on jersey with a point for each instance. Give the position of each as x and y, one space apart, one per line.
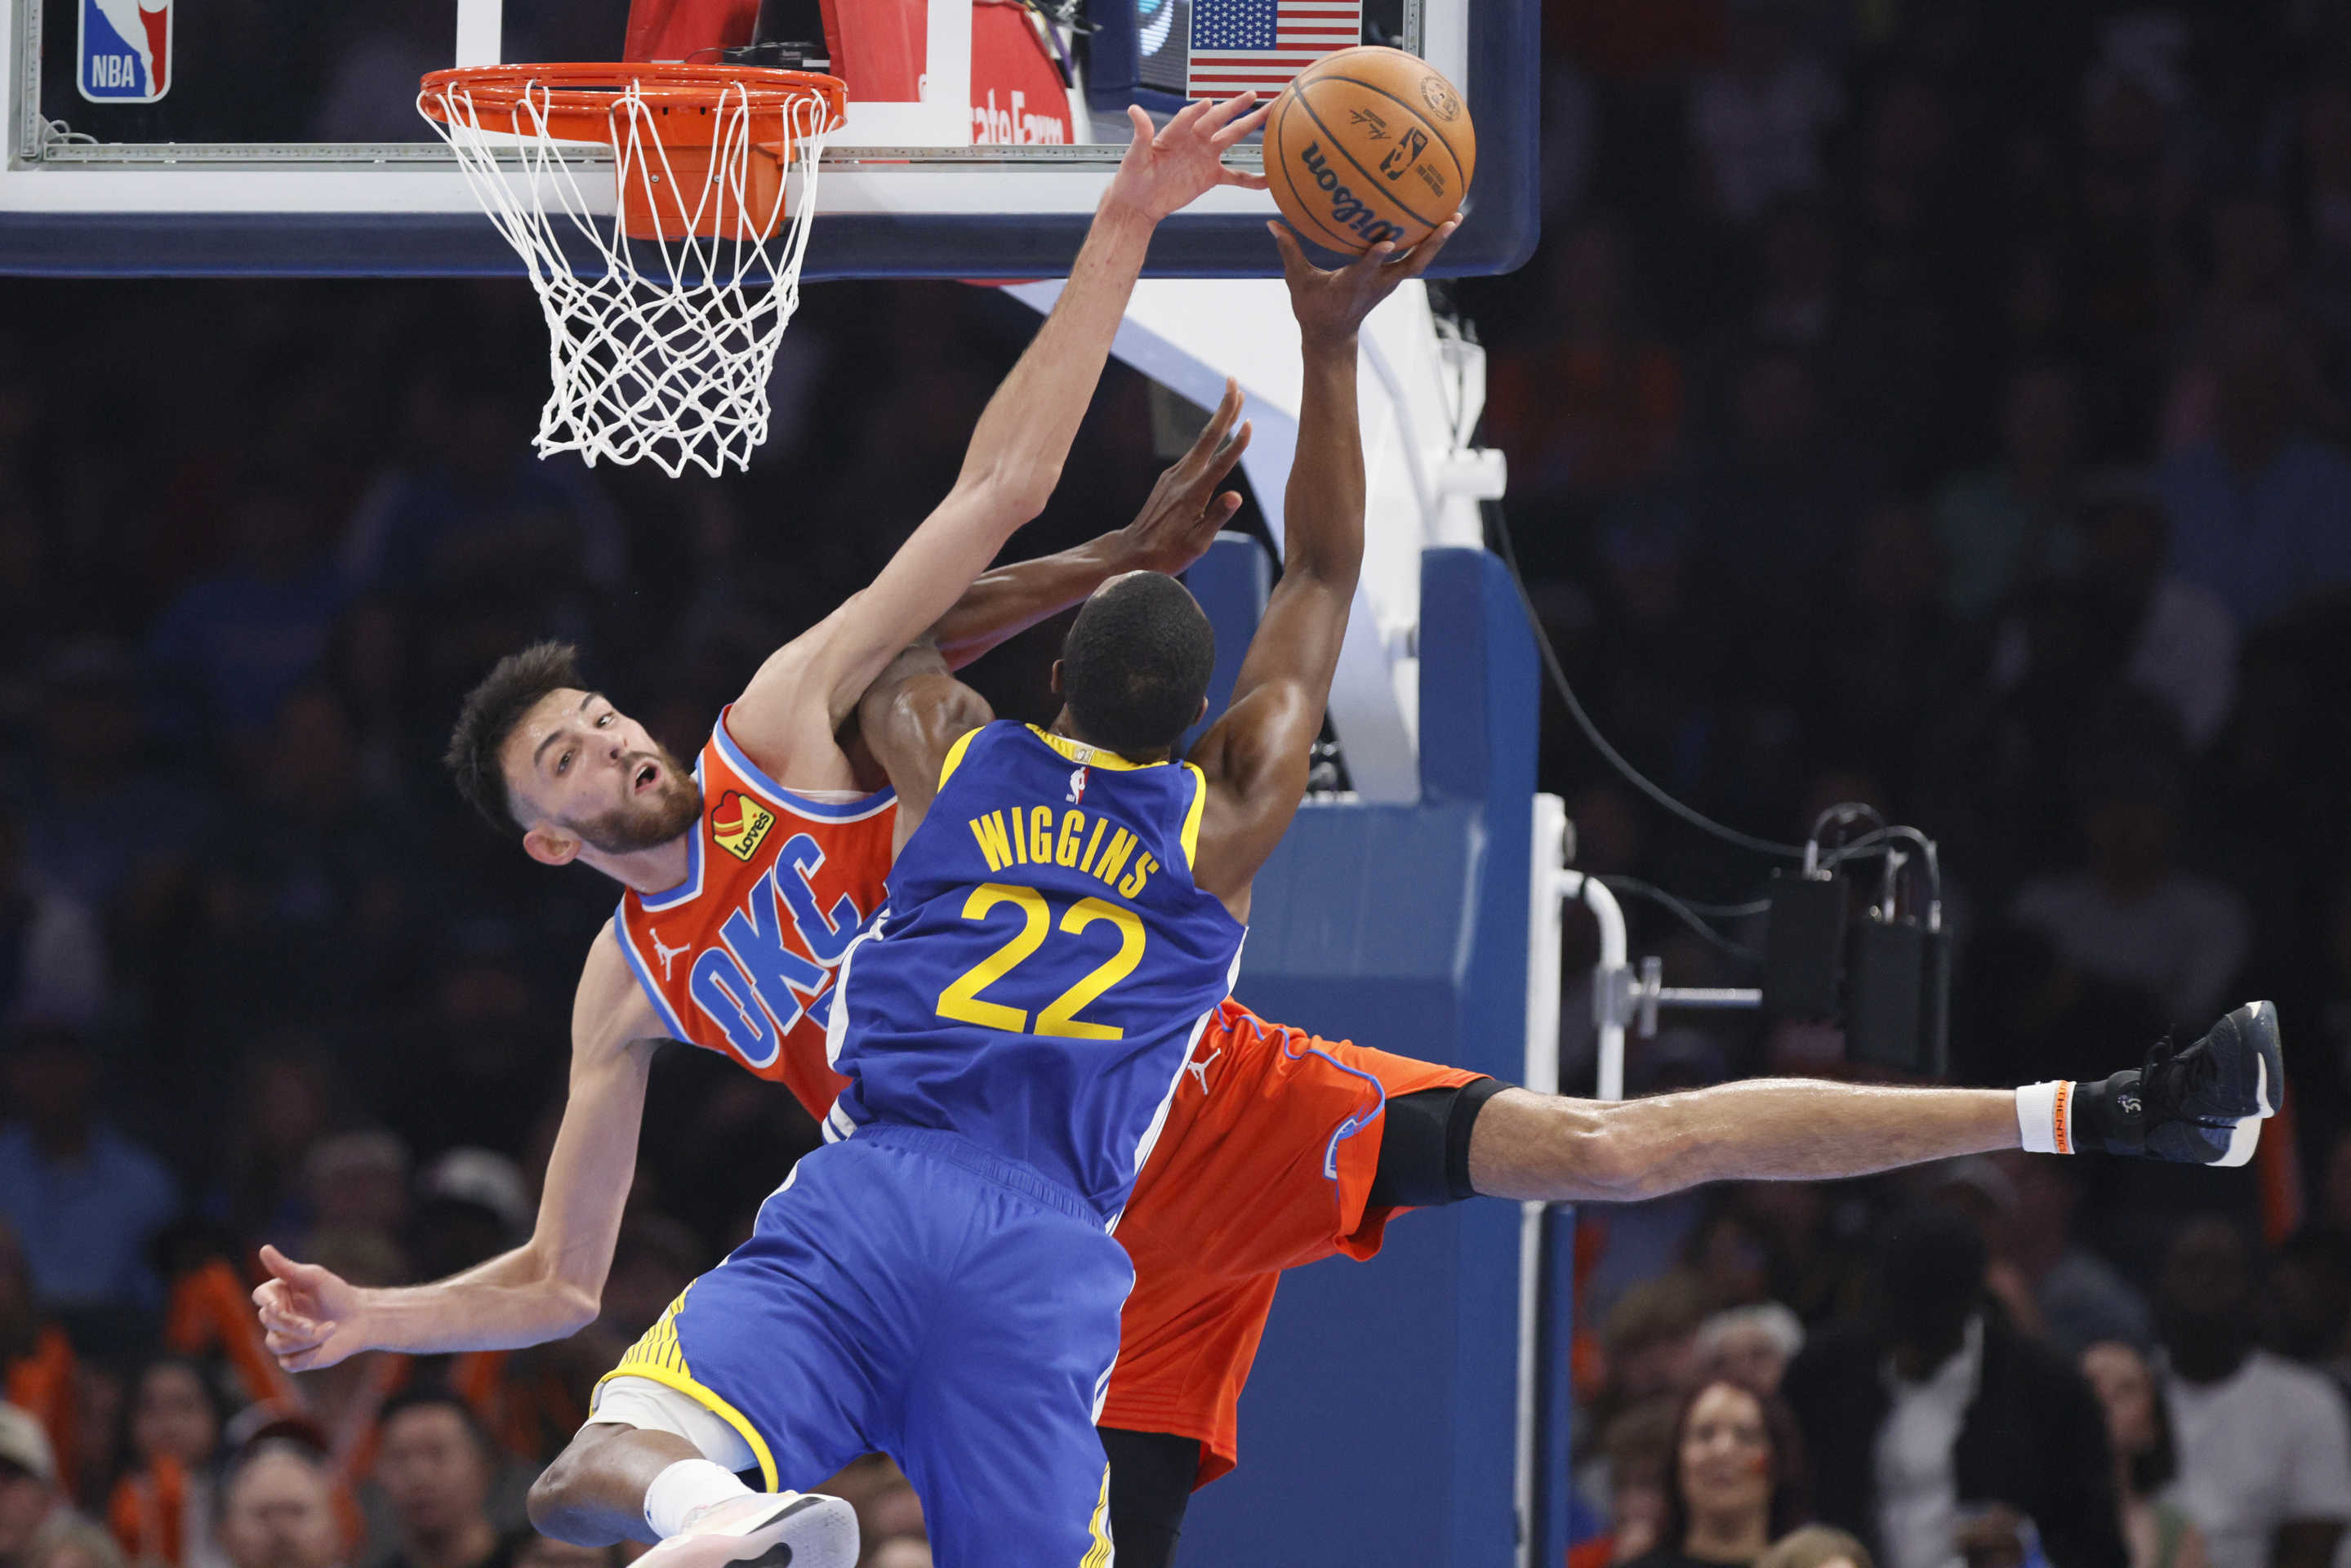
962 1001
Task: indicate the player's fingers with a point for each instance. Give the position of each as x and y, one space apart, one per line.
1223 507
1293 260
1229 452
1214 120
1220 420
1186 118
285 1341
1140 121
284 1314
1367 266
1424 253
276 1262
1247 124
1247 179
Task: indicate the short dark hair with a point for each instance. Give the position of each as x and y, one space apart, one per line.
491 711
1137 662
432 1395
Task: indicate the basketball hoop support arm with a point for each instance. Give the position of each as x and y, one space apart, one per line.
1620 997
1422 390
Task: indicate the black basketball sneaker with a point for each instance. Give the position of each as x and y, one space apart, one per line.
2201 1105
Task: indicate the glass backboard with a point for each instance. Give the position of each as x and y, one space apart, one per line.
195 137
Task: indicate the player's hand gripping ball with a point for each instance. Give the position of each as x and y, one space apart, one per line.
1369 145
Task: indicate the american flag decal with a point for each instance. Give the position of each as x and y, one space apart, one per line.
1259 45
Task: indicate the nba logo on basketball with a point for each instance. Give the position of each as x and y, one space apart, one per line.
126 50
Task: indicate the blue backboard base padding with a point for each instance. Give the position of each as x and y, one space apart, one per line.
1013 248
1379 1423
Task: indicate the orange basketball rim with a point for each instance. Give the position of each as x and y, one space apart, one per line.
704 149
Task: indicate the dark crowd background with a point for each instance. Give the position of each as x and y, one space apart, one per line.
1940 406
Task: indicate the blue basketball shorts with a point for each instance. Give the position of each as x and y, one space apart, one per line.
907 1292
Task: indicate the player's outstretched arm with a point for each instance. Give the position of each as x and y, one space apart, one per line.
1174 529
548 1287
805 689
1255 756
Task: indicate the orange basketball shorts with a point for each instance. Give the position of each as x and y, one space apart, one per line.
1265 1162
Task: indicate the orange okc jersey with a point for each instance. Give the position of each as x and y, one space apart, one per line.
740 956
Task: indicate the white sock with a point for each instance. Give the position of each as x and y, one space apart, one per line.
684 1487
2044 1117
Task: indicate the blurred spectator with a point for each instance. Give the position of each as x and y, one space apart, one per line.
2309 1302
1778 504
471 1205
1816 1546
278 1509
357 1181
83 1199
52 958
1728 1260
2160 1534
243 638
1938 1405
1749 1345
1995 1535
536 1550
2078 1296
91 779
1735 1479
2183 647
80 1544
2131 915
312 870
1593 405
2257 510
30 1503
1651 1339
163 1510
39 1372
2004 525
2265 1445
1757 119
284 1101
1637 1450
477 513
436 1466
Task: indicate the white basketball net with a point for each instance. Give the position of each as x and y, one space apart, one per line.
665 363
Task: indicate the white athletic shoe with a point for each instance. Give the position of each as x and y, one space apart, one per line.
771 1530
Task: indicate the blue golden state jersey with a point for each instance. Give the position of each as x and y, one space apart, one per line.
1044 963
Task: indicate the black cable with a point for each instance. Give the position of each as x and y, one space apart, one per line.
1500 526
1682 911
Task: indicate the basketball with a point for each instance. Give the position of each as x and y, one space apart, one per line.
1369 145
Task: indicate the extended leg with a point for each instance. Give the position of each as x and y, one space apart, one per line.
2202 1104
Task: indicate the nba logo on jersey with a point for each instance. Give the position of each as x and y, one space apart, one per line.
739 824
125 50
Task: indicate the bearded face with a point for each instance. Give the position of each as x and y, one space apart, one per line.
663 800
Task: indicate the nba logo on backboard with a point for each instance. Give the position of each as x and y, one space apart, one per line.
126 50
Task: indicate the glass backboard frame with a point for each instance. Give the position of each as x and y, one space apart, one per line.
895 200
